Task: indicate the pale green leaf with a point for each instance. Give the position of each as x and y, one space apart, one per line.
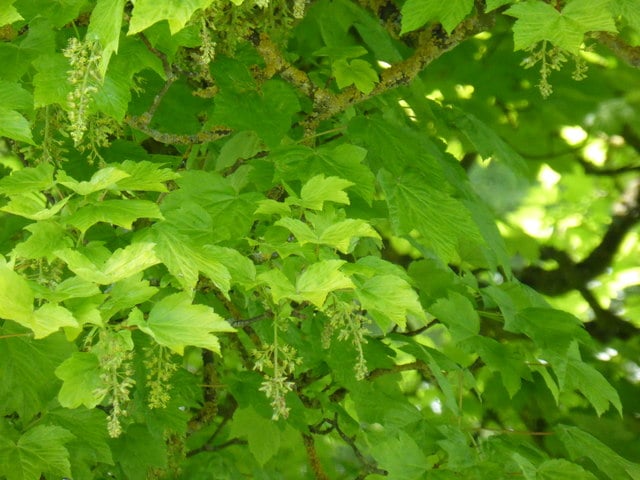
320 189
47 236
104 179
355 72
176 323
123 263
127 293
8 13
15 126
493 4
147 12
272 207
39 450
185 259
71 287
33 206
145 176
629 10
80 375
389 299
415 13
344 234
300 230
117 212
539 21
262 434
278 285
458 314
16 297
27 180
320 279
581 445
49 318
104 25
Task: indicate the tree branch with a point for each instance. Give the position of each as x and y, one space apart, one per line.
626 52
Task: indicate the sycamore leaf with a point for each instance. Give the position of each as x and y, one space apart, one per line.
321 278
320 189
272 207
33 205
582 445
147 12
262 434
103 179
493 4
40 449
28 179
15 126
145 176
278 284
104 25
123 263
16 297
355 72
49 318
176 323
8 13
344 234
301 230
80 375
559 469
117 212
629 10
127 293
389 299
458 314
47 236
539 21
415 13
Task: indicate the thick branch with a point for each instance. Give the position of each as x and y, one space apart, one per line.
626 52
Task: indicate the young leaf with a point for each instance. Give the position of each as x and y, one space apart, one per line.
321 278
80 375
415 13
16 297
389 299
320 189
539 21
33 205
104 25
8 13
49 318
144 176
117 212
355 72
27 180
147 12
103 179
176 323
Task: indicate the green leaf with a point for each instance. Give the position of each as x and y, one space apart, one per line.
343 235
415 13
147 12
185 259
47 236
539 21
15 126
242 145
13 96
104 179
629 10
80 375
113 96
33 206
16 297
321 278
28 382
104 25
389 299
175 323
144 176
8 13
401 456
458 314
493 4
278 285
262 434
50 84
28 179
320 189
123 263
414 205
559 469
39 450
355 72
582 445
116 212
127 293
301 230
49 318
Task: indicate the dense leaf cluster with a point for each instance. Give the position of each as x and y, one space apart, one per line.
335 239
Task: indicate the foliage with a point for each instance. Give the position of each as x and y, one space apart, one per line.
334 239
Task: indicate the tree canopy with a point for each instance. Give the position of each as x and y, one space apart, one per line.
326 239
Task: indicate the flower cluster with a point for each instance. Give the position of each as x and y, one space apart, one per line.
160 369
84 76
